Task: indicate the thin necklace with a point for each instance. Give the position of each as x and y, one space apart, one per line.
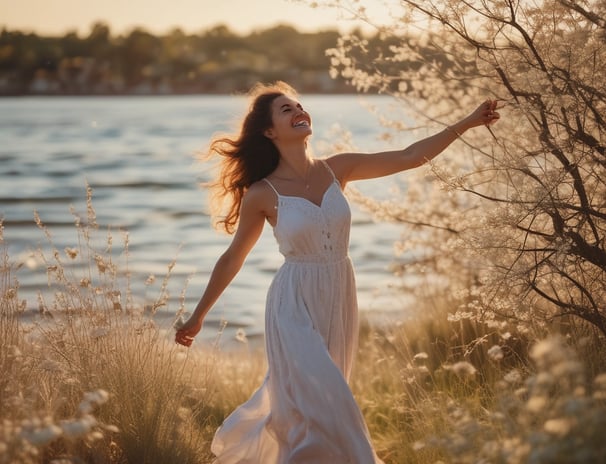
306 179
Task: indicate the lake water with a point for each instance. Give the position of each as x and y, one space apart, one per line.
138 155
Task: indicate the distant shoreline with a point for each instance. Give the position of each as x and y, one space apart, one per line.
173 94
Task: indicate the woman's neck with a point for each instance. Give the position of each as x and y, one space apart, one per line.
294 162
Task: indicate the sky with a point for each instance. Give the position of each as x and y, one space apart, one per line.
55 17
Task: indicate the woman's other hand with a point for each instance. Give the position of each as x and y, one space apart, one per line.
186 331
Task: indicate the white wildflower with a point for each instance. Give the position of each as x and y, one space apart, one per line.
183 413
536 404
559 427
72 253
495 352
418 446
513 376
600 387
459 315
462 369
101 265
111 428
78 427
548 351
241 335
96 435
92 400
42 436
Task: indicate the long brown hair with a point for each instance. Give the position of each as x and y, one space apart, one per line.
247 157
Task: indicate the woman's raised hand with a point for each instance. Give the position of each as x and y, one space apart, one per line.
485 114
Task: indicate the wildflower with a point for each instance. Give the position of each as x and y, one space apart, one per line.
41 436
600 387
183 413
78 427
418 445
93 399
513 376
536 404
111 428
463 369
548 351
101 265
459 316
84 283
96 435
495 352
241 335
559 427
10 294
71 252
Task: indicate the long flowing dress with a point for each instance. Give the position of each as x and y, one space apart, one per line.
304 412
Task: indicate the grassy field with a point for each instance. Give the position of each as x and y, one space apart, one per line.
92 378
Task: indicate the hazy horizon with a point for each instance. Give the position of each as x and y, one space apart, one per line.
61 16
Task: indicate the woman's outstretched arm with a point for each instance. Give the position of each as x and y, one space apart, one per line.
250 226
358 166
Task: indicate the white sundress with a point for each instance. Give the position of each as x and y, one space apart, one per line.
304 412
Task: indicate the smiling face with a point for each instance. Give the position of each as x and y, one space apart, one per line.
290 120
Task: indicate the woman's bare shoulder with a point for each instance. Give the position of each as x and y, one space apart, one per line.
260 195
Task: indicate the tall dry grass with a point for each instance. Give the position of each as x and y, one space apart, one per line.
93 378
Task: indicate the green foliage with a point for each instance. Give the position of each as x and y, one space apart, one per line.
214 61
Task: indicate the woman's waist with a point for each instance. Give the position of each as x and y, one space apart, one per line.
331 257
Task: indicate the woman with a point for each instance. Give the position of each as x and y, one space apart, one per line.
304 412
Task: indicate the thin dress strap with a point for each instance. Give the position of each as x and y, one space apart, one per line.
271 185
334 178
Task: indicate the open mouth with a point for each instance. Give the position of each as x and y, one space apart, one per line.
301 123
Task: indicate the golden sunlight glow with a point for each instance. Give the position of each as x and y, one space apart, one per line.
243 16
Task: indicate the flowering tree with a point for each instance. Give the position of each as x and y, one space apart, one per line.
527 205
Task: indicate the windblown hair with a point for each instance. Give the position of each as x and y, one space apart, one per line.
246 157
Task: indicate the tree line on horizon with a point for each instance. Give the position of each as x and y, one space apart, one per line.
215 61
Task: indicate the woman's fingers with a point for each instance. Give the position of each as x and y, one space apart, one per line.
184 338
490 113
